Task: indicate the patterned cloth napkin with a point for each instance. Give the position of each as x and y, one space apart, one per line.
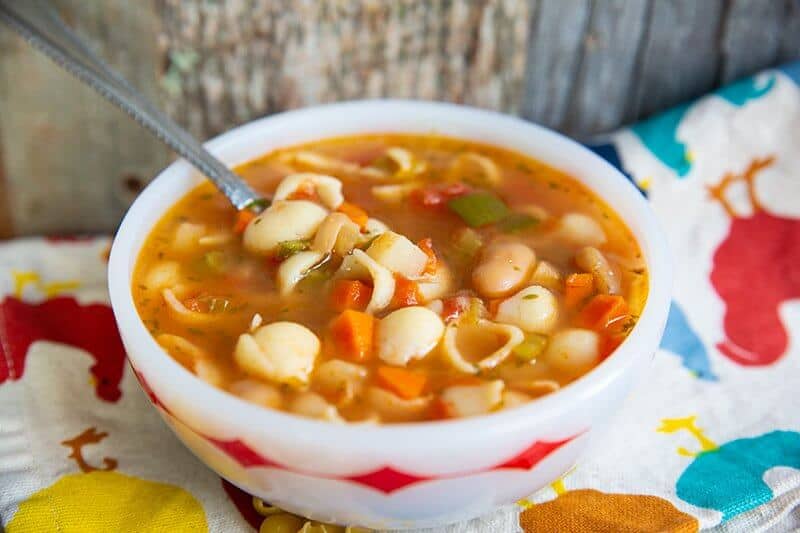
709 439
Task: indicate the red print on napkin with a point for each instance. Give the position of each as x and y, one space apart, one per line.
756 268
63 320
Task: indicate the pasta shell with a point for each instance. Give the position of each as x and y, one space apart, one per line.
472 164
187 236
312 405
184 315
436 285
337 233
533 309
257 392
476 336
408 333
473 400
337 377
581 230
398 254
286 220
325 163
328 188
382 281
163 274
392 408
284 352
295 268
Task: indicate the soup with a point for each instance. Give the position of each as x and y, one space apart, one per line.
393 278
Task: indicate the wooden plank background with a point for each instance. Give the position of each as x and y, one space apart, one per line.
69 162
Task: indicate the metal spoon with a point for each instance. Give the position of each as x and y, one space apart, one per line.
40 25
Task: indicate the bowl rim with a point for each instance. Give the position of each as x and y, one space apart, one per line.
652 242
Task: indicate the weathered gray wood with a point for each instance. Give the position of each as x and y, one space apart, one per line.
608 66
554 55
679 55
790 35
70 162
751 37
247 58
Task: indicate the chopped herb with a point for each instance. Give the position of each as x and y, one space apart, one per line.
216 261
468 242
287 249
517 222
257 221
515 267
143 287
522 167
258 205
529 349
479 208
284 310
161 255
206 196
638 271
553 185
605 215
530 296
195 331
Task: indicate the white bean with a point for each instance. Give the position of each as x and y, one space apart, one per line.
503 267
581 230
534 309
282 351
593 261
283 221
573 351
408 333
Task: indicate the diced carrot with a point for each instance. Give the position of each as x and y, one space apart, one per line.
426 245
465 381
355 213
406 292
306 191
352 333
243 218
350 294
438 195
609 343
439 410
601 311
577 288
404 383
454 307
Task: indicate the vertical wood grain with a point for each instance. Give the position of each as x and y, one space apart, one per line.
608 66
751 37
555 49
679 56
73 161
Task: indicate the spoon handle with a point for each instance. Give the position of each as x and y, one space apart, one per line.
40 25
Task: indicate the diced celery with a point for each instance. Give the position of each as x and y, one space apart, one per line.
468 242
529 349
289 248
517 222
478 208
216 261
